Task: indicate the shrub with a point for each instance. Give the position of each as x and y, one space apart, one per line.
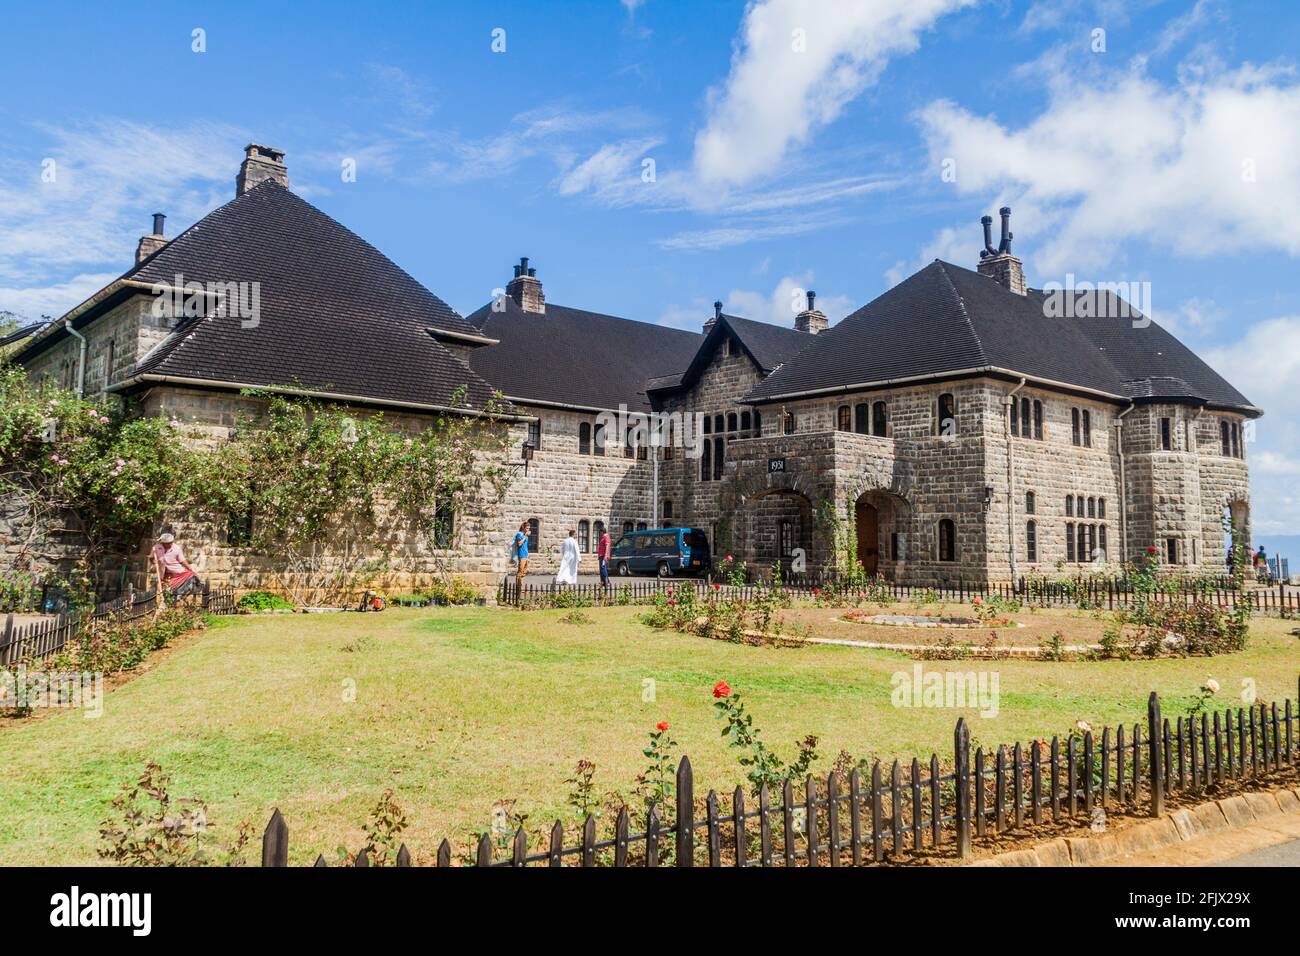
153 829
255 601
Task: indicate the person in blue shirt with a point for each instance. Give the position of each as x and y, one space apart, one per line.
521 553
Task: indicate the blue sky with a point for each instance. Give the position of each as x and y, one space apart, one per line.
795 144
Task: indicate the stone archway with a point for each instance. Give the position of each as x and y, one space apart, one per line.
883 533
777 526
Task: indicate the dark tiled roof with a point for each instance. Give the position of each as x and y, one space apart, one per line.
337 315
946 319
573 357
26 331
768 345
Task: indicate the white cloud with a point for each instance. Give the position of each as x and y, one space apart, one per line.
53 300
778 307
1207 166
796 65
1265 365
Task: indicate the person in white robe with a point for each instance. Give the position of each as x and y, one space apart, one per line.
568 573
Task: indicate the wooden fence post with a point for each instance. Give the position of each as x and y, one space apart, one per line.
275 842
961 774
1154 726
685 814
8 637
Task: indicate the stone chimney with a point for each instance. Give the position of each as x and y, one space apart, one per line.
999 263
717 314
260 164
151 243
526 289
810 320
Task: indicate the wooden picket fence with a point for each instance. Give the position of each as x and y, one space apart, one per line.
41 639
1111 594
925 808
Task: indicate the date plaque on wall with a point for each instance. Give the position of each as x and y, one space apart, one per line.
775 466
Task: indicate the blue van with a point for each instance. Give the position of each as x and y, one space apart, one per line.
661 551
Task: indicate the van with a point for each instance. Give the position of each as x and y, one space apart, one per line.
662 551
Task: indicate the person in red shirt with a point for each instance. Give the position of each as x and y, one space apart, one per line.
602 553
174 572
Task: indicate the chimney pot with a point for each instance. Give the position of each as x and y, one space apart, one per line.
717 310
812 299
260 164
158 220
525 288
999 264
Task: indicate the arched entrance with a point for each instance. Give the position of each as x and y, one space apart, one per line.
777 526
867 520
882 522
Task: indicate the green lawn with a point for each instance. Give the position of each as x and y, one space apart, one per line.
456 708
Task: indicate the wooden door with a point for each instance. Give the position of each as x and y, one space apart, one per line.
868 525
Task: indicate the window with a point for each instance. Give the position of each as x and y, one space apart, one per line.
668 443
785 539
1031 502
947 540
708 425
1015 417
732 347
1078 506
1024 417
584 536
666 512
600 439
1031 540
1092 542
895 547
1101 508
758 422
1038 420
862 418
641 526
879 419
1171 550
746 421
1082 553
1223 439
1236 440
444 527
628 527
731 422
706 462
534 535
1092 507
584 438
719 456
1165 436
629 447
1069 506
1074 426
1101 542
719 424
535 434
109 353
843 419
239 530
1087 429
787 423
1069 541
946 420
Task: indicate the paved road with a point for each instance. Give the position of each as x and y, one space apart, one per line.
1284 854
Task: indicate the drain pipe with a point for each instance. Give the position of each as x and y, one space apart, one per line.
1011 478
1123 486
81 363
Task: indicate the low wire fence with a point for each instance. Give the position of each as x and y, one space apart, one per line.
940 807
40 639
1116 594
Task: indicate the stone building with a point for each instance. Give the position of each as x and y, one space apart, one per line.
960 426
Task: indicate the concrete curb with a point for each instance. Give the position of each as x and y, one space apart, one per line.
1178 826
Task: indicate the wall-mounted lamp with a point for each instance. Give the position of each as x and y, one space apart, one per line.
529 448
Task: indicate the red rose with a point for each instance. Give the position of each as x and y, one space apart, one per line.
720 689
717 587
1151 550
817 590
730 558
978 602
662 725
672 602
670 591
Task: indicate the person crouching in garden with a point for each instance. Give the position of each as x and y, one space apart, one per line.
175 576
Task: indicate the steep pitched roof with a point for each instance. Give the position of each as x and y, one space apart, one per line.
574 357
337 316
768 345
945 319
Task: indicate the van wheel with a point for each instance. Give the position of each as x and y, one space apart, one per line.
623 570
664 570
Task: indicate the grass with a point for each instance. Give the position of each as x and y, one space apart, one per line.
456 708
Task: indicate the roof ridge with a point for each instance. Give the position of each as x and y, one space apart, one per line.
961 305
